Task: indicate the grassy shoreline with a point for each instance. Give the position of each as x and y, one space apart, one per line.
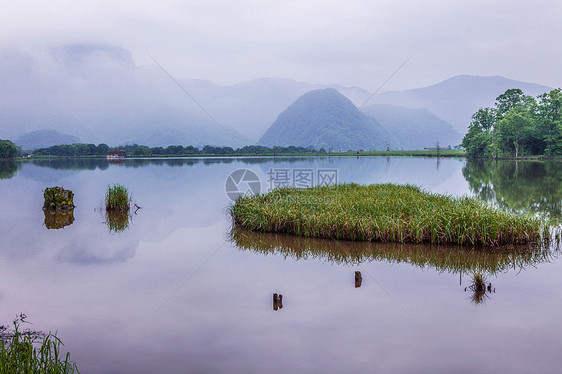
385 213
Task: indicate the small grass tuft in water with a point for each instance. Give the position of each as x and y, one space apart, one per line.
24 351
117 198
385 213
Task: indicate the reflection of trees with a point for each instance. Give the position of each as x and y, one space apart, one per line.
442 258
102 164
72 163
8 169
275 160
518 186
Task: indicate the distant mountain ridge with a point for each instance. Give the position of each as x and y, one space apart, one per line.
96 93
457 98
414 128
43 139
326 118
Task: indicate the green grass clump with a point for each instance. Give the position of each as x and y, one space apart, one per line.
117 198
386 213
30 352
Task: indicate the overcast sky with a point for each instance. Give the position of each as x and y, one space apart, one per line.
349 42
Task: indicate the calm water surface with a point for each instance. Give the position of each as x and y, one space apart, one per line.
177 292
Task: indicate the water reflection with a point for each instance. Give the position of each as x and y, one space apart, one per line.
58 219
277 301
8 168
518 185
103 164
358 279
481 264
480 292
71 163
441 258
111 284
117 221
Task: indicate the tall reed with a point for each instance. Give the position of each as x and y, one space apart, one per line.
386 213
28 352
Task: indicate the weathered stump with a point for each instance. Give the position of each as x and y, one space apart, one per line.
57 198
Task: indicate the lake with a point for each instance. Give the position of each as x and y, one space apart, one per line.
177 291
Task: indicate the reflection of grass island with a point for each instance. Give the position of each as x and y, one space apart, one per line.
385 213
117 221
443 258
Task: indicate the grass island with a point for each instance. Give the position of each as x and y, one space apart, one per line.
386 213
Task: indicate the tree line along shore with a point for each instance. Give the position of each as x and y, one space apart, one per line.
83 150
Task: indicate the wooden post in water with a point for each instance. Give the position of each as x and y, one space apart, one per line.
358 279
277 301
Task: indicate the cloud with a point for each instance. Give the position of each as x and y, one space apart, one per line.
352 43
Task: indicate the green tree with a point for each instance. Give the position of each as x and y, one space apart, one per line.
140 151
515 132
510 99
102 149
484 118
478 141
7 149
549 113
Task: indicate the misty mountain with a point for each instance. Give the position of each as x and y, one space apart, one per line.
456 99
98 94
252 106
325 118
44 139
415 128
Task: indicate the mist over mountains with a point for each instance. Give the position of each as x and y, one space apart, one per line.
97 94
413 128
456 99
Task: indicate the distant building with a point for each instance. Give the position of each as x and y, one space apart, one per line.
437 148
116 154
